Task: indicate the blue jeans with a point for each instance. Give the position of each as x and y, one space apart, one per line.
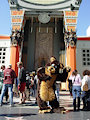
76 91
84 94
5 86
57 93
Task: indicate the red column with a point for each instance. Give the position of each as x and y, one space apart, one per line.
71 57
14 58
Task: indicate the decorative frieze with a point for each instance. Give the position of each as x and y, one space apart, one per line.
17 18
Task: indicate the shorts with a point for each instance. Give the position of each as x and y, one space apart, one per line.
21 87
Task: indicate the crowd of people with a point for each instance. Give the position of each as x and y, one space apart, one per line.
80 89
25 85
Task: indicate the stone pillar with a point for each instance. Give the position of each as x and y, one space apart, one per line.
14 57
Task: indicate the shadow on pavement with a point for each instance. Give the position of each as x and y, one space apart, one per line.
17 115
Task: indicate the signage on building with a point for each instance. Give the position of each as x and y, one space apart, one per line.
14 13
17 19
71 13
70 18
16 27
71 21
73 28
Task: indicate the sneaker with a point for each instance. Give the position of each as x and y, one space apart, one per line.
0 104
23 102
20 103
11 105
84 109
35 102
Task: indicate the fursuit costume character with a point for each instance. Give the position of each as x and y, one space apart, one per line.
46 87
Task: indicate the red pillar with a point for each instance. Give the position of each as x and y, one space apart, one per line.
71 57
14 58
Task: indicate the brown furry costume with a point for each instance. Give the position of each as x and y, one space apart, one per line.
46 88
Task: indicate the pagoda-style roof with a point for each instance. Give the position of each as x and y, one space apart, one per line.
45 5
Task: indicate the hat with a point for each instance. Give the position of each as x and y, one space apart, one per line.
31 75
19 63
9 66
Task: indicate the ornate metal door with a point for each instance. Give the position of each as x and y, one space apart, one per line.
44 46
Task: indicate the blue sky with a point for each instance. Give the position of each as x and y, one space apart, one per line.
83 18
5 20
82 23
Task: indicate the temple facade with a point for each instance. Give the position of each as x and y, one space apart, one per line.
41 29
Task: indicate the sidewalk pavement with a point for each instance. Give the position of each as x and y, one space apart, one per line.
65 100
29 111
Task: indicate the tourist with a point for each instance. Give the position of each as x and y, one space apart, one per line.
22 82
35 86
85 90
70 84
32 89
6 93
76 90
27 88
57 89
88 94
15 88
9 75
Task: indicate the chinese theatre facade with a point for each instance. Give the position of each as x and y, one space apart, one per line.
41 29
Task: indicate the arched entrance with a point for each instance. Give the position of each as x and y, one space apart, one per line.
42 42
